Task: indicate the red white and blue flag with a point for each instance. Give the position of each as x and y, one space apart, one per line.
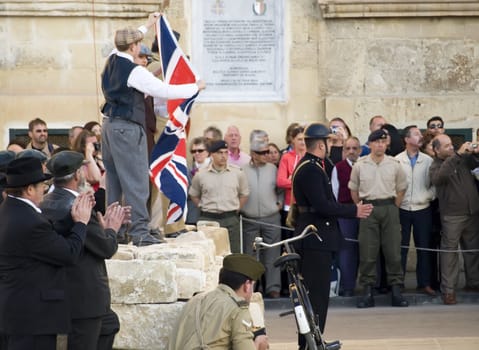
168 168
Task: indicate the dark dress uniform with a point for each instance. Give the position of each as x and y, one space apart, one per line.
317 205
87 281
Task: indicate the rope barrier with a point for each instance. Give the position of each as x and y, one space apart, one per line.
357 241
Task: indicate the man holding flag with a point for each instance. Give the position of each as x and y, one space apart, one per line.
124 147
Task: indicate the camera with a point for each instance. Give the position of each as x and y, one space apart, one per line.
97 146
473 145
334 129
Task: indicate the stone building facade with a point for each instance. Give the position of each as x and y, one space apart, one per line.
406 60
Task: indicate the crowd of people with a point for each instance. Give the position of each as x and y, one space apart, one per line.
65 209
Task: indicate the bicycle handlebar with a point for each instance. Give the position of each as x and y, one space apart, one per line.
308 230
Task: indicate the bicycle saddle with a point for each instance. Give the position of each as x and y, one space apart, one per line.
284 259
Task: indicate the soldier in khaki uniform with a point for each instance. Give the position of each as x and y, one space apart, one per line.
220 191
379 179
220 319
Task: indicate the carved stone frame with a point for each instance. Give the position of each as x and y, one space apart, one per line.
80 8
331 9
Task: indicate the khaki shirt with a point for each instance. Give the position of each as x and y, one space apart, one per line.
224 322
219 191
377 181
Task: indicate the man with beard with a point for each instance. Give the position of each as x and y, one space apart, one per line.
459 209
94 324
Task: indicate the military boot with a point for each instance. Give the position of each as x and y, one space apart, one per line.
397 299
367 299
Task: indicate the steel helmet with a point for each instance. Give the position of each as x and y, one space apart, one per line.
317 131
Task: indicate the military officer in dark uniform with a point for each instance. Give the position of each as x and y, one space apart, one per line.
317 205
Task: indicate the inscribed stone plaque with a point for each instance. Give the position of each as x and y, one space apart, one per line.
238 49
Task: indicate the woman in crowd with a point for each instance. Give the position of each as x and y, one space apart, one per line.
274 154
94 127
289 137
395 141
341 133
286 167
87 144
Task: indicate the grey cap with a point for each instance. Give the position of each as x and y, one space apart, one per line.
5 158
42 157
65 163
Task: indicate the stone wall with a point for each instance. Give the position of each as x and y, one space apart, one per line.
352 59
149 285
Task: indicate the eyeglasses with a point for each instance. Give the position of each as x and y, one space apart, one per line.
41 130
435 126
262 153
197 151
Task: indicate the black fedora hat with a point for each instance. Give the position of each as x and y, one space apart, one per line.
23 172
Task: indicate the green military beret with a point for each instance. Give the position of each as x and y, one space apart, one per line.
244 264
65 163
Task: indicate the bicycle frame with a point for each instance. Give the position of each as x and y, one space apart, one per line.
306 321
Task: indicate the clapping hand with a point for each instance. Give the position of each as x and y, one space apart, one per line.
114 216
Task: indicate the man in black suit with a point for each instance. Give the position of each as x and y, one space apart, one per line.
87 281
317 205
33 303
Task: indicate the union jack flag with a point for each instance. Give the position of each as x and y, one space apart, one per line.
168 168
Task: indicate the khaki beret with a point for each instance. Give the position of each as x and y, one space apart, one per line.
244 264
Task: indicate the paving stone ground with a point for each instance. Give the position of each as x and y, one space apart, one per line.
430 326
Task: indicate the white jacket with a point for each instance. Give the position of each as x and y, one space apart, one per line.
420 192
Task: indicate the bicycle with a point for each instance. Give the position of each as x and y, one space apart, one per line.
306 321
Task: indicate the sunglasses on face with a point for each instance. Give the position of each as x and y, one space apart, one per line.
262 153
197 151
435 126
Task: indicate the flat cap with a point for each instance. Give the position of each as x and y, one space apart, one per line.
42 157
65 163
377 135
215 146
127 36
244 264
5 158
